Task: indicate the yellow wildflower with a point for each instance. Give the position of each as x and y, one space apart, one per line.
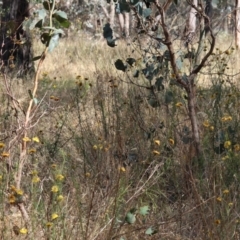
230 204
60 198
54 216
226 118
59 177
54 166
36 139
212 128
87 174
26 139
206 124
178 104
157 142
171 141
49 224
19 191
55 189
35 179
225 158
100 146
5 154
217 221
23 231
227 144
226 191
11 198
155 152
219 199
95 147
122 169
32 150
13 188
2 145
236 147
34 172
1 177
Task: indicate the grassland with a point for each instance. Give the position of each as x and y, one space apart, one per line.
102 163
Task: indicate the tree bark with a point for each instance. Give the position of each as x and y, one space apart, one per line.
16 47
190 28
237 23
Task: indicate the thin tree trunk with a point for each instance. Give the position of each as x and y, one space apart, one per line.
190 28
237 23
193 115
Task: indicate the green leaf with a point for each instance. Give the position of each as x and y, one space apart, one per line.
150 231
166 55
39 24
130 218
120 65
146 12
45 38
168 97
61 14
47 5
65 23
159 84
111 42
61 17
144 210
39 18
179 63
59 31
41 14
153 101
136 74
53 42
36 58
35 101
130 61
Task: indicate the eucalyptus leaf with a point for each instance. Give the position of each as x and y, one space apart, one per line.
53 42
36 58
111 42
47 5
131 61
147 12
61 14
168 97
144 210
120 65
35 100
150 231
45 38
159 84
130 218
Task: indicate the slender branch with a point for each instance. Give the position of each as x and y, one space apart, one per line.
168 43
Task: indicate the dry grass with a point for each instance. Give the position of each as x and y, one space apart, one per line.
101 135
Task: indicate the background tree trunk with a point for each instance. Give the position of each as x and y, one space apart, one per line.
189 31
237 23
16 47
